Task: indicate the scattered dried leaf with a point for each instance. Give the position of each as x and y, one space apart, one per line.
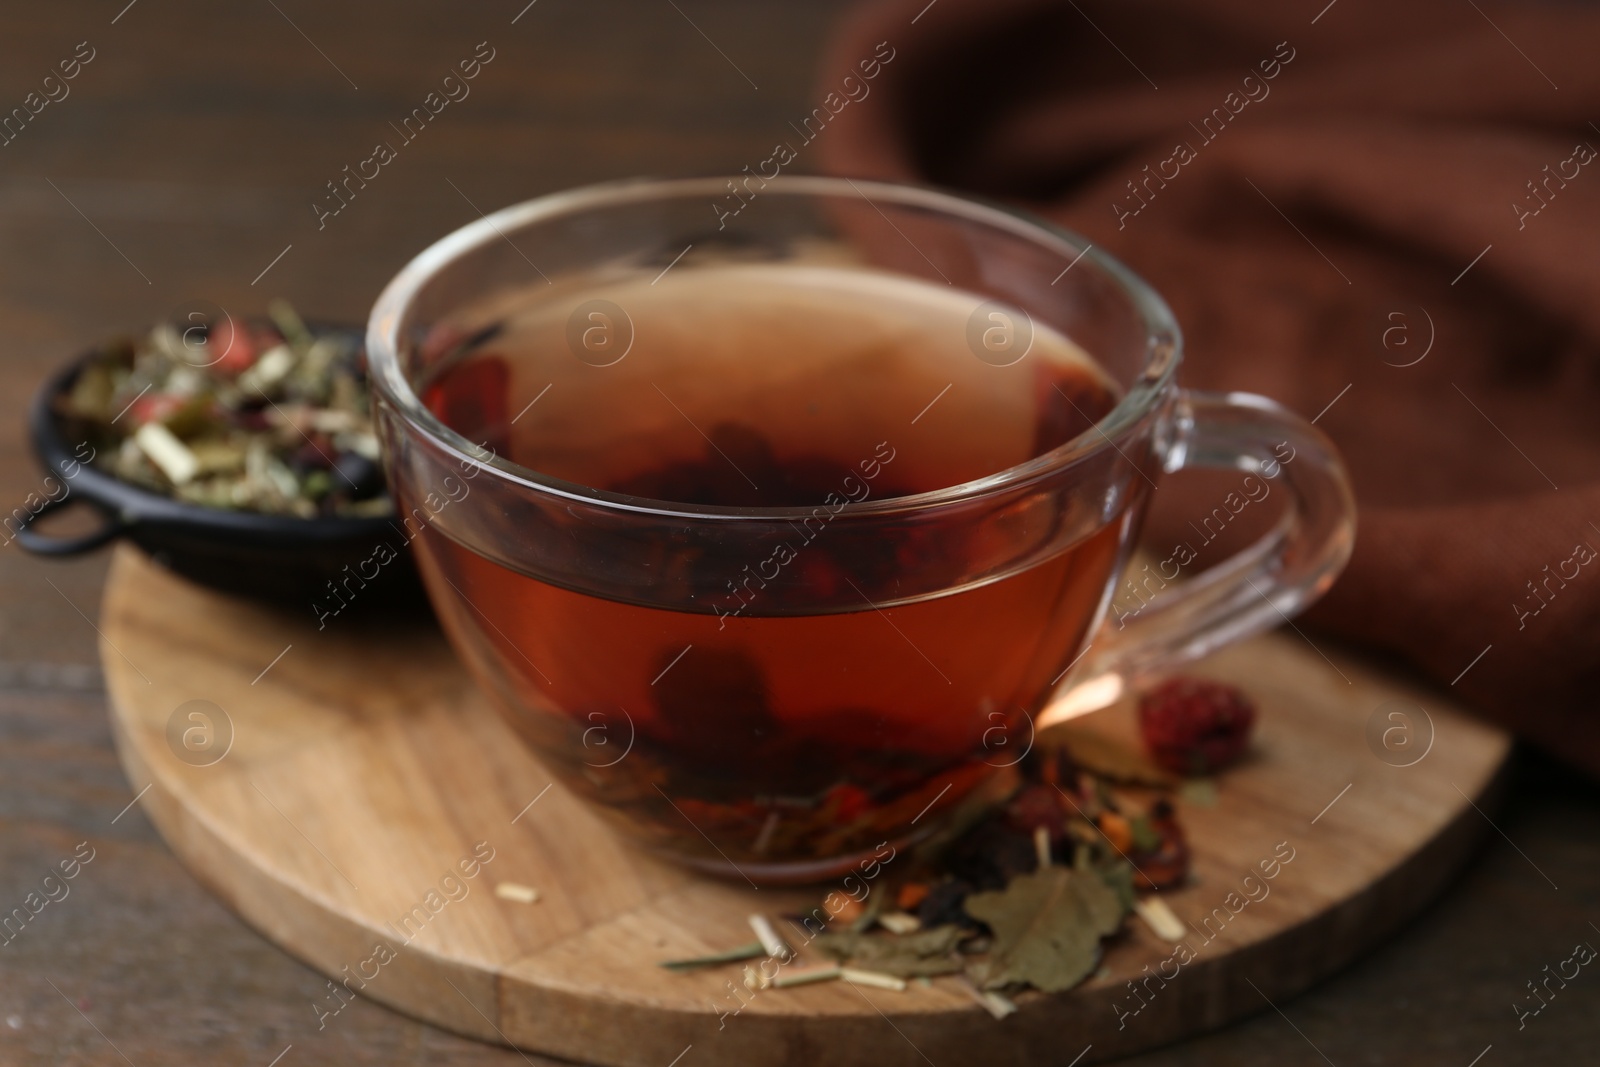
1200 792
1047 927
904 955
1109 759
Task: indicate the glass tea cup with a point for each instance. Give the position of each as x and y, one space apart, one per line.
773 529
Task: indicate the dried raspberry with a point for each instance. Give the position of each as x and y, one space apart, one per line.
1194 726
1038 805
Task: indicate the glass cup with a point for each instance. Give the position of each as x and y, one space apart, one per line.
775 691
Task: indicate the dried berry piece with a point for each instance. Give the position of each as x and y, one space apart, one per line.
1160 852
157 407
850 910
1067 407
943 905
1117 829
1195 726
991 854
714 703
911 895
475 401
233 347
1039 806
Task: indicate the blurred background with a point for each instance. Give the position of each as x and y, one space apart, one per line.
182 164
190 150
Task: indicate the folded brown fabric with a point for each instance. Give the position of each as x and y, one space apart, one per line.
1392 209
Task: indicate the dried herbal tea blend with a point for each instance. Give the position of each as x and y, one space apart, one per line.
1023 899
269 417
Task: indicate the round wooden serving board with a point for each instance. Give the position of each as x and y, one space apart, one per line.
362 768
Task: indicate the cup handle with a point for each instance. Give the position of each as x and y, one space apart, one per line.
1283 572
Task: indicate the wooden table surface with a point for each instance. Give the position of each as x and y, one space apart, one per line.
185 159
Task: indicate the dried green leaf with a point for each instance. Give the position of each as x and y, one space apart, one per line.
1145 838
1109 759
91 392
289 323
1199 792
869 914
1118 874
904 955
1047 927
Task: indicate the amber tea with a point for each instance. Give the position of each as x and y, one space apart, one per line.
797 704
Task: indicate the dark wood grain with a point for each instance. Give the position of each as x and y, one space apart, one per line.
196 141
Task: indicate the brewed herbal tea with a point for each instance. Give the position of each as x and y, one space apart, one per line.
797 707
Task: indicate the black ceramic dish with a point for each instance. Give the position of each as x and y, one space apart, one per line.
284 560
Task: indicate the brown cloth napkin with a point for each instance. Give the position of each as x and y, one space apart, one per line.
1390 208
